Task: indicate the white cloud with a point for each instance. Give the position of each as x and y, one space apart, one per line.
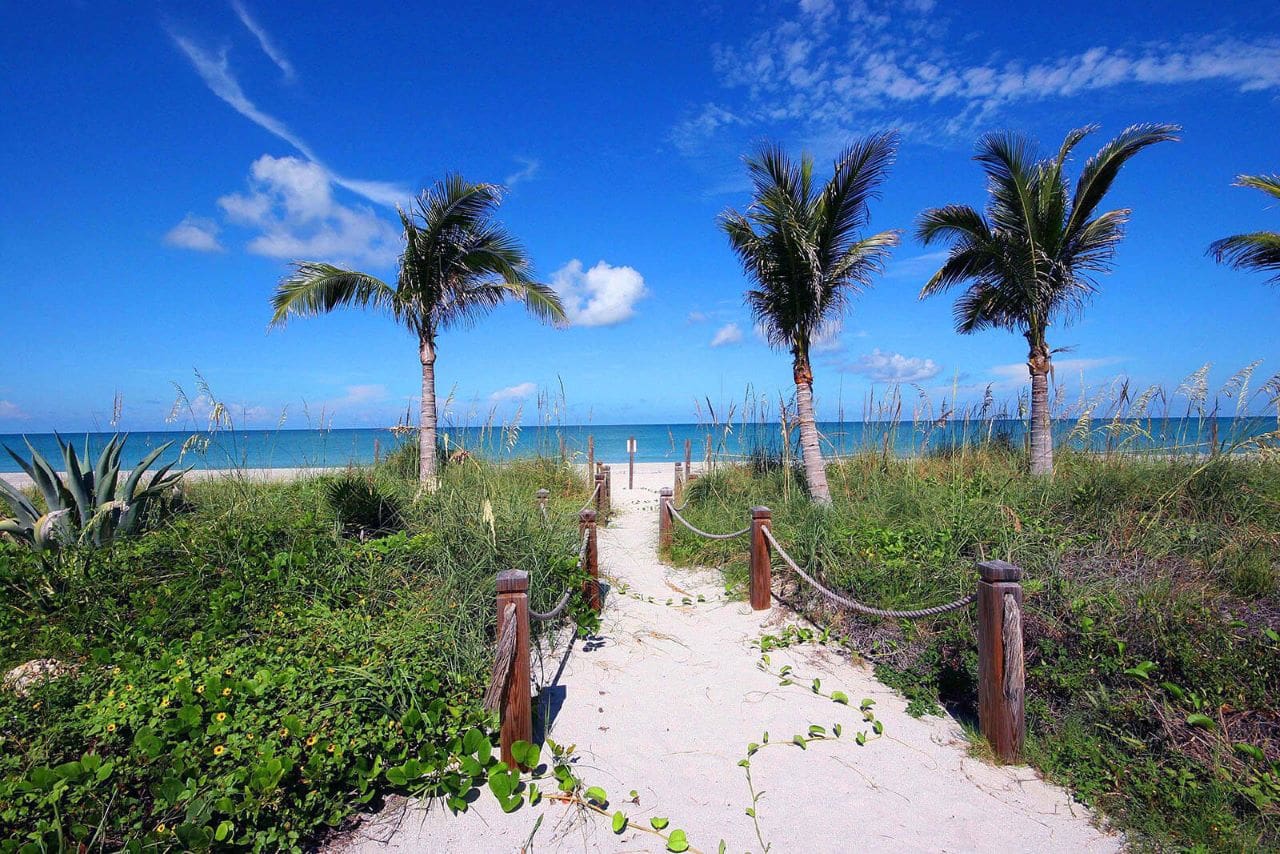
264 40
695 317
9 409
528 169
730 333
884 367
690 134
601 296
290 202
515 392
358 397
194 232
215 71
1016 373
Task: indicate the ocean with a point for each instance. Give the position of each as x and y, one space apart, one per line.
283 448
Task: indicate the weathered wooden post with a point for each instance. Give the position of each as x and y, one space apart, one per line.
591 454
664 518
600 490
761 559
677 485
543 495
708 463
608 491
1001 673
515 710
688 457
591 559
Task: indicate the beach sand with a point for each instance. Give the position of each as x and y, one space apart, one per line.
21 480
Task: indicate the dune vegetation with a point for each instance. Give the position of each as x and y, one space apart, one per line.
264 660
1153 606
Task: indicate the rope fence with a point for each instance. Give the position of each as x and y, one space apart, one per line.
509 691
998 595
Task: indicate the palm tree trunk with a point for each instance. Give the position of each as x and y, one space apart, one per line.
1038 363
427 416
815 471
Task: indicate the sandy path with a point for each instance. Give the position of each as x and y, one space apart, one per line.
666 702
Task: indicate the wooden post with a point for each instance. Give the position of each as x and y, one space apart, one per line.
631 469
677 485
377 450
516 711
1001 675
591 560
761 559
688 457
543 495
608 491
600 490
708 468
664 518
591 454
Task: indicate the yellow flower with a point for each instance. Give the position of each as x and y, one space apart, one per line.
219 750
284 732
226 692
120 705
199 689
128 687
160 828
116 671
164 704
312 739
328 670
248 736
220 717
111 693
227 671
35 706
111 727
330 748
180 662
279 650
279 613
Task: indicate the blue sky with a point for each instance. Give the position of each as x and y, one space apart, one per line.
162 163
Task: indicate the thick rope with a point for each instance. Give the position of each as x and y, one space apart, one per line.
853 605
553 613
502 661
702 533
592 500
1014 674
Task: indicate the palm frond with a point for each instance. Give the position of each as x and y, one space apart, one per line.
1100 171
1258 251
1269 184
315 288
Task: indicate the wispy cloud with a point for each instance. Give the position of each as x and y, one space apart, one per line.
290 202
602 296
696 317
215 70
358 398
196 233
528 169
268 45
888 367
12 411
728 334
1015 374
514 392
904 64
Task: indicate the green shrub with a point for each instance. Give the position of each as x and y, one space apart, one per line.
362 508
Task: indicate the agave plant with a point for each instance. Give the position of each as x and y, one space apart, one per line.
91 506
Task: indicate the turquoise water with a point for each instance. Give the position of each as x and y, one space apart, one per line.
655 442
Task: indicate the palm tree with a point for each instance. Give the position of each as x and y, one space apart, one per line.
457 265
1259 250
1031 259
802 248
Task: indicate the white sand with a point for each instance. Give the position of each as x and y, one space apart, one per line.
665 704
22 481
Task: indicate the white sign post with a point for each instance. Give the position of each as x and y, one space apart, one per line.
631 473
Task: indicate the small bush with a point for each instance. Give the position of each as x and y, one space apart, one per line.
362 508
